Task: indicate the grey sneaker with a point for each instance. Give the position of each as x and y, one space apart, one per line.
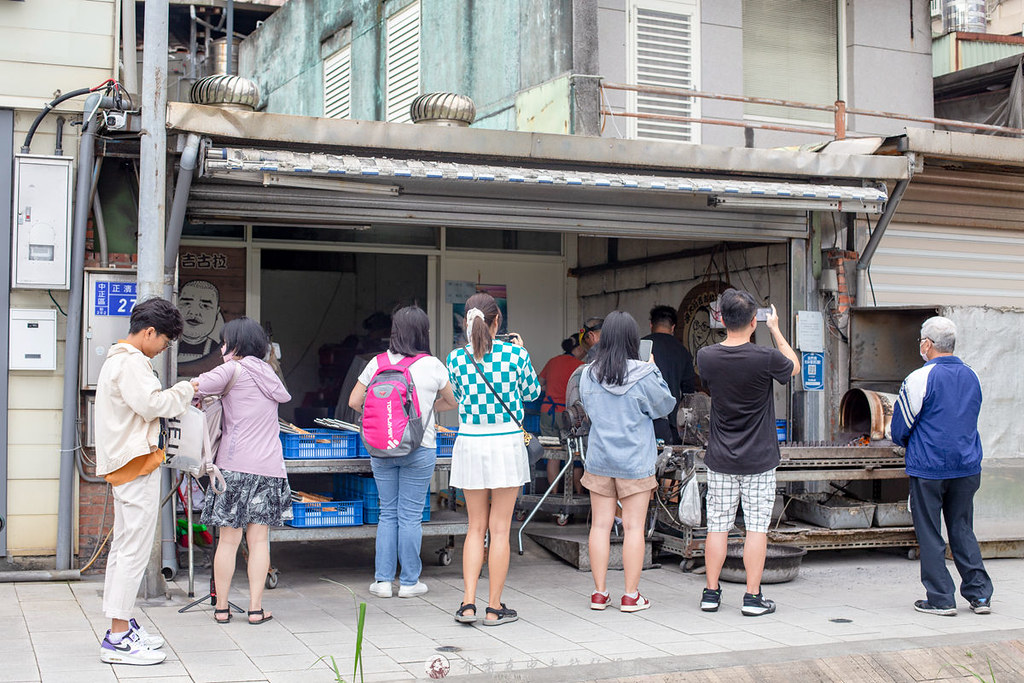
757 605
981 606
711 599
928 608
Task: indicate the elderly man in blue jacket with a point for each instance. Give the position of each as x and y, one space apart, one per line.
936 419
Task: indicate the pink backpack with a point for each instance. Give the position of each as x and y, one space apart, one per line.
391 425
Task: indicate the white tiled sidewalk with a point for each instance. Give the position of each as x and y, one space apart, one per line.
51 632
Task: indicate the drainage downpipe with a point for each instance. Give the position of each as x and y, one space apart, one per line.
172 240
863 288
73 340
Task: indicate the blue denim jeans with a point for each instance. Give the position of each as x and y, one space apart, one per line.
402 485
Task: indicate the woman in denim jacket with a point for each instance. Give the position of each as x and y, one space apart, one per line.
622 396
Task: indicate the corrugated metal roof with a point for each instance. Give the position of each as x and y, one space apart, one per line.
250 164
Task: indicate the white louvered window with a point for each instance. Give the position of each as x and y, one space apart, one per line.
338 84
403 62
790 52
663 49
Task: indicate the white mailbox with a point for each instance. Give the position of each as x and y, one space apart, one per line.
42 222
33 343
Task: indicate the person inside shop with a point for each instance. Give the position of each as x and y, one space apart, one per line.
492 380
403 481
250 458
743 447
590 337
676 365
936 419
553 380
623 396
129 405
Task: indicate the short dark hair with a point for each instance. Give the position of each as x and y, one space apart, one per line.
245 337
738 308
570 343
663 315
620 342
158 313
410 331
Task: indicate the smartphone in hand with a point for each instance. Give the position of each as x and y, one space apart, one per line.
762 314
645 349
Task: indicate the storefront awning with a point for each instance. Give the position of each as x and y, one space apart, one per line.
386 177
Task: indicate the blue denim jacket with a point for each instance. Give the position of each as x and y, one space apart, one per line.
622 442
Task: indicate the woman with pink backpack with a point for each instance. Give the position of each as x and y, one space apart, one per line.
405 381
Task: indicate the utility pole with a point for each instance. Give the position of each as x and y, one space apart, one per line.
153 203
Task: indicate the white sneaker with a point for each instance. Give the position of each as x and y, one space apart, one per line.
382 589
130 650
419 588
152 640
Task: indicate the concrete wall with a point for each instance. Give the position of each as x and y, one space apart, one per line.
45 46
887 68
488 50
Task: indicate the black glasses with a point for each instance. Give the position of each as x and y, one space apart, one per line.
922 339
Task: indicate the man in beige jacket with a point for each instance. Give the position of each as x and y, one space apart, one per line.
129 405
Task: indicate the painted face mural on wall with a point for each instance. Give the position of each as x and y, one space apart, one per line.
199 303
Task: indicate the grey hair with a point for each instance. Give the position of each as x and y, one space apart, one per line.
941 331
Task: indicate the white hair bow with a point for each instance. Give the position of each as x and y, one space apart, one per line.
471 315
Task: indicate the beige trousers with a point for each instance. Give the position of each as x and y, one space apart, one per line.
136 508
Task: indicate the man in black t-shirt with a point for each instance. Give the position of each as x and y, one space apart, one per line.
743 447
676 366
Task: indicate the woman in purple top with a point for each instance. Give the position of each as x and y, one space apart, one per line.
250 457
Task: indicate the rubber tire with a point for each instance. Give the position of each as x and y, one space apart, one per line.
520 515
913 554
444 558
271 581
563 520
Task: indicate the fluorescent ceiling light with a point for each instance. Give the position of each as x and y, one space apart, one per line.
797 204
338 185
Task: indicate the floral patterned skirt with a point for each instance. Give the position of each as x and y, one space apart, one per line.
249 499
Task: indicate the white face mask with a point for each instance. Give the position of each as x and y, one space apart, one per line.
924 356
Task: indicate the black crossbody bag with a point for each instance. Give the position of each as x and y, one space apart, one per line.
534 448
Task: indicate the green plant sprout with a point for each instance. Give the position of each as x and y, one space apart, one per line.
972 672
357 665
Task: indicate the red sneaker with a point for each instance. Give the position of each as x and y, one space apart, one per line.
598 601
636 604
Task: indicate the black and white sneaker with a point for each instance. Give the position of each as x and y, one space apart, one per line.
711 599
757 605
928 608
981 606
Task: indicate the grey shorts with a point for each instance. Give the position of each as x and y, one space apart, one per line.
756 492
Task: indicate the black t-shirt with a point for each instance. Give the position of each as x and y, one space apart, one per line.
743 438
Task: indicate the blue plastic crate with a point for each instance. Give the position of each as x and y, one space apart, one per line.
359 486
319 444
334 513
445 441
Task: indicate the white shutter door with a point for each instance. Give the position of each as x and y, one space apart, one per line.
790 53
403 62
664 39
338 84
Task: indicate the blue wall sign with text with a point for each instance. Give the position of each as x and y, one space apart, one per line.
114 298
813 370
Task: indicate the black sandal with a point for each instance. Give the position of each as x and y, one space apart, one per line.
222 611
462 617
505 616
262 620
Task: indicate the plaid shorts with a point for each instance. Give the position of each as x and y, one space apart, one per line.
725 491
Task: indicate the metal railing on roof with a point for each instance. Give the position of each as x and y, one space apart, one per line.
839 110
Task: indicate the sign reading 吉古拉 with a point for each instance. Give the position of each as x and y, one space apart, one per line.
813 370
114 298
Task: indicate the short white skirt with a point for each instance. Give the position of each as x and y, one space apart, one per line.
489 457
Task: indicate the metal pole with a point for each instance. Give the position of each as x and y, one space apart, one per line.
73 339
6 152
230 47
863 293
153 202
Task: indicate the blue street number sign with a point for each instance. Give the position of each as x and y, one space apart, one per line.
813 370
114 298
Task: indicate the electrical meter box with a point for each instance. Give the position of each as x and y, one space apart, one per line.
33 342
42 222
109 299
